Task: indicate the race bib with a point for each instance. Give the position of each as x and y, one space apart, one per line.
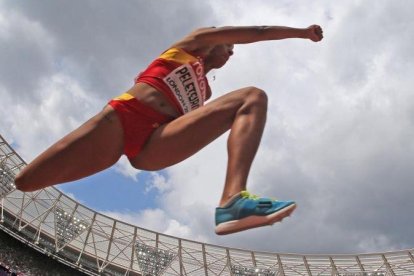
188 85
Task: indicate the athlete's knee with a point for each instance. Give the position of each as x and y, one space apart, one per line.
23 182
256 97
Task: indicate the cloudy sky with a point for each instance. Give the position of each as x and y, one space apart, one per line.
340 123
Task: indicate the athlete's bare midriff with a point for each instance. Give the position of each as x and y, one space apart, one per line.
150 96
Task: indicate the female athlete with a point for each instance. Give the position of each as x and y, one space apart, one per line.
162 120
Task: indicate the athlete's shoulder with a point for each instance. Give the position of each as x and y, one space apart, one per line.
195 42
178 55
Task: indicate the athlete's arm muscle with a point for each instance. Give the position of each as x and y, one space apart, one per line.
208 37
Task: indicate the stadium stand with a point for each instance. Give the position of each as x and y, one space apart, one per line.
24 260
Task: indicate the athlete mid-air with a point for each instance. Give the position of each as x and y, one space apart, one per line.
162 120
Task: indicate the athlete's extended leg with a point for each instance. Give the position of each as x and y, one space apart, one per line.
92 147
243 111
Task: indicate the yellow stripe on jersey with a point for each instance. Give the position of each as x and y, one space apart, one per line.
124 97
178 55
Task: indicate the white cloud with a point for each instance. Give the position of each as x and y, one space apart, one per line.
124 167
62 106
159 182
26 50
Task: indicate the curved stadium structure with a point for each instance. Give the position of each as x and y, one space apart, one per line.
95 244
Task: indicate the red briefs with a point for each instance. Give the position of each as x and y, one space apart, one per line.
138 120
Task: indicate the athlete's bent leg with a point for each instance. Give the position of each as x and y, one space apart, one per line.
242 111
94 146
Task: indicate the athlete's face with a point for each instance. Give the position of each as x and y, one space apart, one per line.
220 54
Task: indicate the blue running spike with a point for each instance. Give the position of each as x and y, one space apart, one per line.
245 211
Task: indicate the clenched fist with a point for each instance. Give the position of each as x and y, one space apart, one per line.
314 33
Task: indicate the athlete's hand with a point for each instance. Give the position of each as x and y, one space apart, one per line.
314 33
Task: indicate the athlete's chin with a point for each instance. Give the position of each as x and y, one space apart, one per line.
219 65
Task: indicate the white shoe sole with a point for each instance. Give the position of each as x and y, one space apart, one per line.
253 221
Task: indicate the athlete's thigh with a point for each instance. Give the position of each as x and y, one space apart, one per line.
181 138
92 147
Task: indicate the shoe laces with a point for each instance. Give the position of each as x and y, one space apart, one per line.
246 194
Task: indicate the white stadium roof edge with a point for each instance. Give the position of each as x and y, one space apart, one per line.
62 228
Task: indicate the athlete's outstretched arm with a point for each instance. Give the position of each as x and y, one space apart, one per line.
247 34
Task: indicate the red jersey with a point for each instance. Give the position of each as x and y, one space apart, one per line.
180 76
